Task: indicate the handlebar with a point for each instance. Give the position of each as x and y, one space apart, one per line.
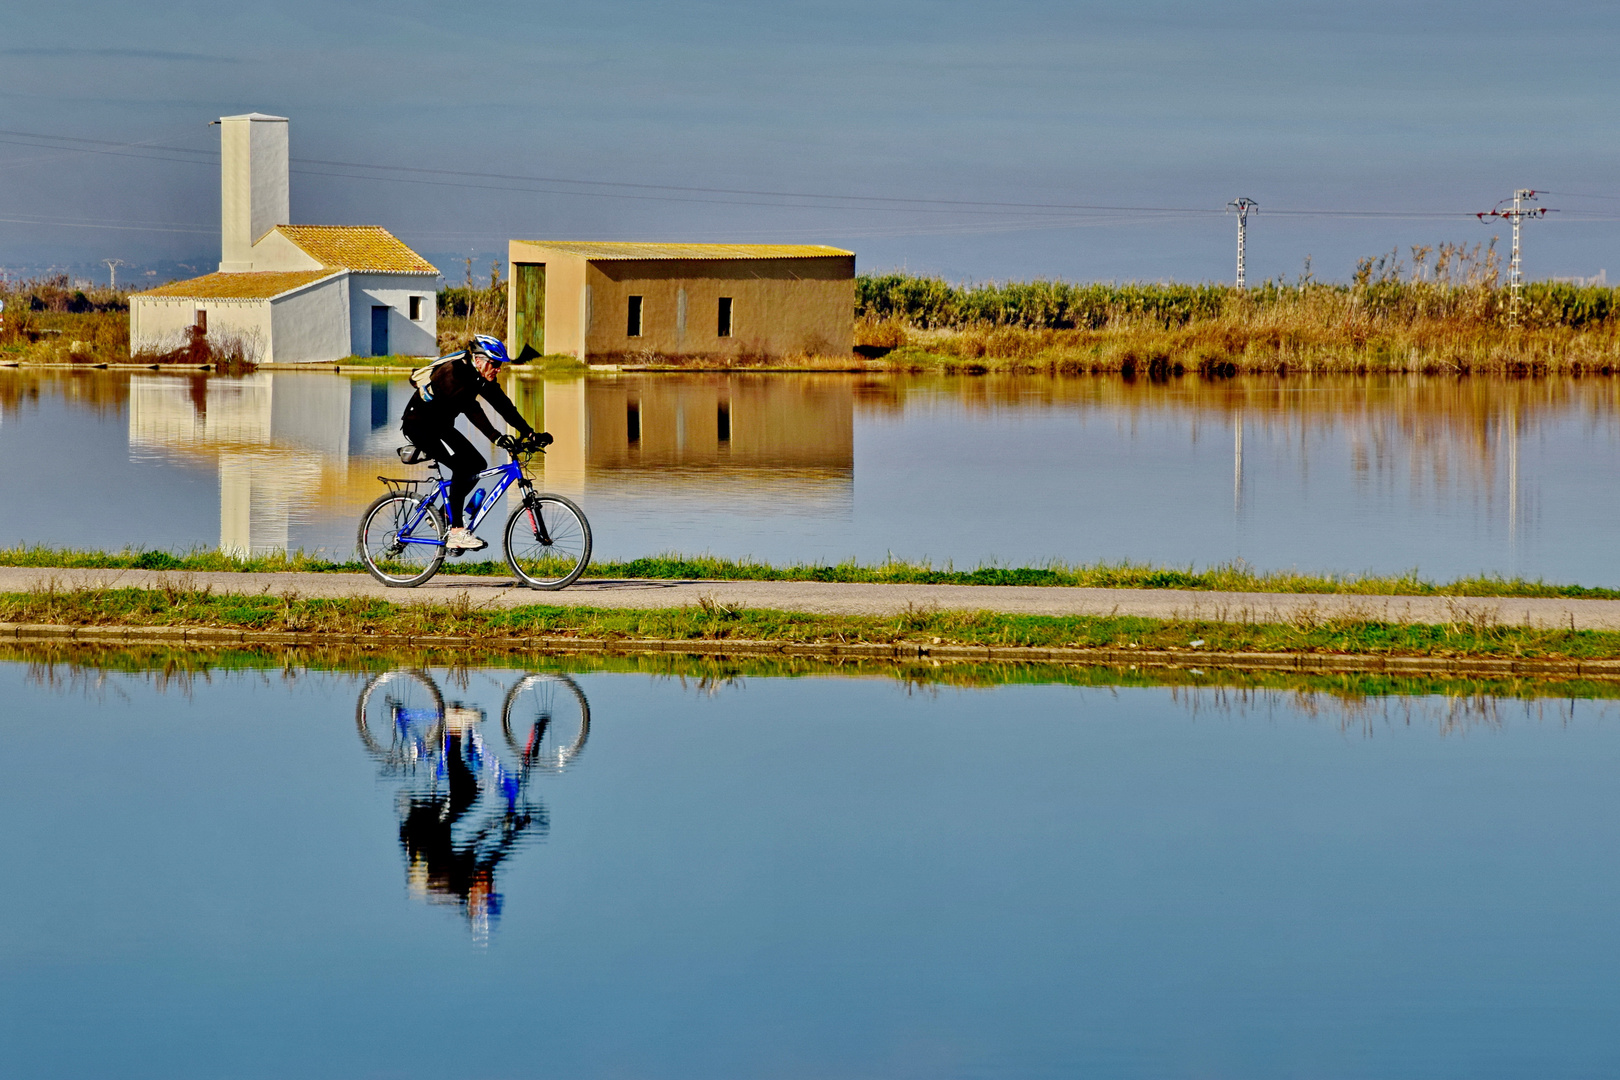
535 442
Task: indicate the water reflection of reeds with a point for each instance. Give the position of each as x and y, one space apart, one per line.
100 392
1437 420
1363 705
1451 710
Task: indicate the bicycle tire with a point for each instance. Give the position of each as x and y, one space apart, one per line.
404 686
567 734
552 565
378 525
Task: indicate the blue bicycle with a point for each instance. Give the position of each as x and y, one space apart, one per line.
547 539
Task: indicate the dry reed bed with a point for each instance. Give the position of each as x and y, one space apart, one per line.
1449 316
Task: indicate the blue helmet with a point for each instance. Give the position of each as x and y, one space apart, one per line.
490 347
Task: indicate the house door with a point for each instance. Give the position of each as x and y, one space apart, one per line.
529 300
379 331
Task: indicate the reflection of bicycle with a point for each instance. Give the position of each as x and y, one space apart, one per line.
402 535
466 804
545 719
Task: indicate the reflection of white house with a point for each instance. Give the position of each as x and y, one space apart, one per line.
290 293
284 444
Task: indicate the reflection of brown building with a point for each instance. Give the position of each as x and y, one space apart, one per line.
779 431
602 301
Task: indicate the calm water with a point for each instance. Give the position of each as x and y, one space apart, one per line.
1452 477
431 874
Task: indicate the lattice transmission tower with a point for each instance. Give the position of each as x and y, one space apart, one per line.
1243 207
1515 214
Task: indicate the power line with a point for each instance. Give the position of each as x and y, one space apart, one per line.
910 203
63 224
1008 215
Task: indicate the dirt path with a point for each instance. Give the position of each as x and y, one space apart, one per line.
842 599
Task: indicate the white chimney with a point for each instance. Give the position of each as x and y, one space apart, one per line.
253 184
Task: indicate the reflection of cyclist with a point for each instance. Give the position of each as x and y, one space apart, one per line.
468 802
451 389
451 851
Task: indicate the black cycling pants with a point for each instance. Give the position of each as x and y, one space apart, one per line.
444 444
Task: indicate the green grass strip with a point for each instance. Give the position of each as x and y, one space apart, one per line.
1225 577
177 604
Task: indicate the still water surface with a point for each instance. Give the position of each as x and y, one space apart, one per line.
336 873
1339 474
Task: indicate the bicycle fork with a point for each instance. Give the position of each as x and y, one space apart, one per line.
537 520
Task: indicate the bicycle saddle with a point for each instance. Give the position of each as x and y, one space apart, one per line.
413 455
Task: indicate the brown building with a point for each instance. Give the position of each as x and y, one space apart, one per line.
602 302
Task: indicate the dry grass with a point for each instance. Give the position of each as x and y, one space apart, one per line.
1223 577
1445 316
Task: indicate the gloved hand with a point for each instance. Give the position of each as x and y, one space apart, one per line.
507 443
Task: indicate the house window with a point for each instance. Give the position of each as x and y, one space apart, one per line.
633 323
725 317
416 309
201 322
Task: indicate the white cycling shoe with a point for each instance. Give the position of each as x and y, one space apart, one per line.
461 539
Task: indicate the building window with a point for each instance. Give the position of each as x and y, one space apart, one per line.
416 309
201 322
632 325
725 317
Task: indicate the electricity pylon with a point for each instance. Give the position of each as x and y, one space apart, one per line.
112 272
1244 207
1515 214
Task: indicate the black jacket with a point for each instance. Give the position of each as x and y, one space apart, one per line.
454 389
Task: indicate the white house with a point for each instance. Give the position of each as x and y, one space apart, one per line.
290 293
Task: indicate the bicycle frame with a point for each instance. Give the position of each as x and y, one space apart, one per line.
510 473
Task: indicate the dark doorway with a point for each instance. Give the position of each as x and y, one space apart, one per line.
528 294
379 331
379 405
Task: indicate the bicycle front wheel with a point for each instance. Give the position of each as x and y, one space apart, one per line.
546 720
399 548
548 542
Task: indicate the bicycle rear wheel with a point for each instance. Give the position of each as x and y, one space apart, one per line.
387 557
548 542
399 712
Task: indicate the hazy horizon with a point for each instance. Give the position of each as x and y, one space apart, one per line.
1360 107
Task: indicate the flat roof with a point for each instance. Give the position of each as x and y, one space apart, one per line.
248 285
614 249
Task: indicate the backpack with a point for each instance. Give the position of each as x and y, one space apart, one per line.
422 377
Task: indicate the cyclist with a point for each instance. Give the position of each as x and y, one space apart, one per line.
450 388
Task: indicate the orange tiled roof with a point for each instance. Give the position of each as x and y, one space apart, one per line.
614 249
252 285
357 247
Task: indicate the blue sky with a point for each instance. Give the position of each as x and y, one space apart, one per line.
1353 106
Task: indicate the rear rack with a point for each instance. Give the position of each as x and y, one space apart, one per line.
405 487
